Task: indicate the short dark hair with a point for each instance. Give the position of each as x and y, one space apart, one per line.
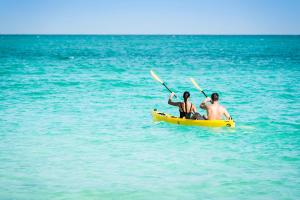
214 96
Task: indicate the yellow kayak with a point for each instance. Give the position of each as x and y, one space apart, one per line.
160 116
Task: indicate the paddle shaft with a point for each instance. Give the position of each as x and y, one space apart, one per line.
203 93
168 89
198 87
159 80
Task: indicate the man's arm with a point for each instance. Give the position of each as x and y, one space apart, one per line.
226 114
172 103
203 103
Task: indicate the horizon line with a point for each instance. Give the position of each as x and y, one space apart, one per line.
159 34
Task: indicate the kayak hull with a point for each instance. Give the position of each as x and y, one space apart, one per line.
160 116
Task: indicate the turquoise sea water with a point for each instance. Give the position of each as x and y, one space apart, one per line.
75 117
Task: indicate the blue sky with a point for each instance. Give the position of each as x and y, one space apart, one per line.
150 17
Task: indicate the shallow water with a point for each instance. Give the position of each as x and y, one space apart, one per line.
75 117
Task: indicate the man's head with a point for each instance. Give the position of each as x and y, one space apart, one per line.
214 97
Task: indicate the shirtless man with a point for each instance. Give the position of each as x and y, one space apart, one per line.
214 110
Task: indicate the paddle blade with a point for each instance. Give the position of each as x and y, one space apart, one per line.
196 85
155 77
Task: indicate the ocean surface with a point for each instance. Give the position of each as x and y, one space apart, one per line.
75 118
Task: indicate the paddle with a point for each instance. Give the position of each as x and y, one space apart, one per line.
198 87
159 80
